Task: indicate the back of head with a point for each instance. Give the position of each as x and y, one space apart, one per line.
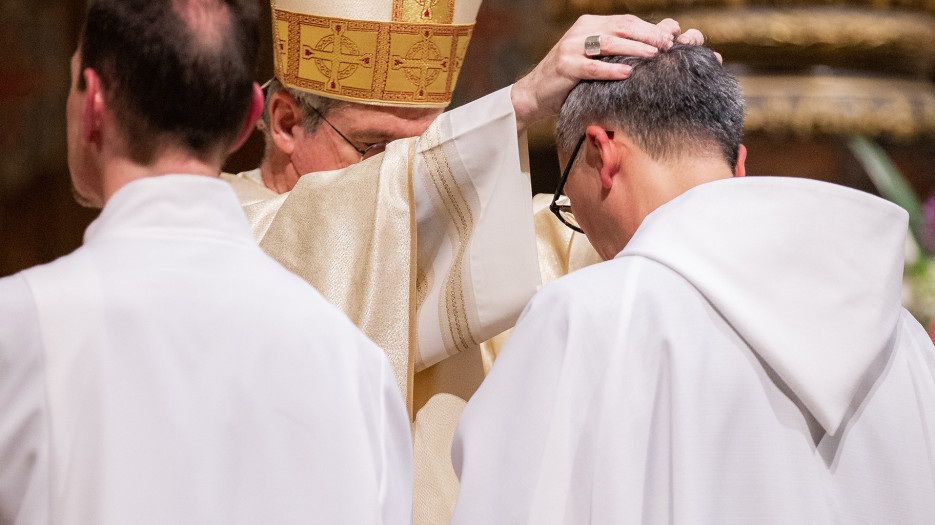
680 101
176 73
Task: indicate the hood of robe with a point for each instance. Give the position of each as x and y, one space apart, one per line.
808 273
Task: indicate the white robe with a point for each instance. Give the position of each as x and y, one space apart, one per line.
170 372
744 359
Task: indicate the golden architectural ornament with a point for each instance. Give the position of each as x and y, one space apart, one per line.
820 36
834 28
569 9
838 105
390 52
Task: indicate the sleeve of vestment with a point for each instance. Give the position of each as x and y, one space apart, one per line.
428 247
477 263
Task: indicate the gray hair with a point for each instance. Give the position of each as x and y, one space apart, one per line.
308 103
678 101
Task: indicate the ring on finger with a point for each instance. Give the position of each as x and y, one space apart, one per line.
592 45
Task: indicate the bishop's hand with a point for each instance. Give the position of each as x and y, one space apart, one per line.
540 94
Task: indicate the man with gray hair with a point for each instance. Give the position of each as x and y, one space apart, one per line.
741 356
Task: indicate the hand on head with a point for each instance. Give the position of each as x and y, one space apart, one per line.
540 94
676 122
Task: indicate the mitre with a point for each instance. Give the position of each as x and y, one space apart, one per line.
389 52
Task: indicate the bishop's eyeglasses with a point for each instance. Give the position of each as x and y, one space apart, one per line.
366 152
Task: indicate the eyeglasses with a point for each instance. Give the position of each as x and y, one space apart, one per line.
561 206
364 153
369 151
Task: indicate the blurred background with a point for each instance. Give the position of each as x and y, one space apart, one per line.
838 90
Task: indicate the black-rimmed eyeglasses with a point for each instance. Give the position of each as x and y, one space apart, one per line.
561 206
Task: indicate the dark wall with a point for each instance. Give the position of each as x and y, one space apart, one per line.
39 219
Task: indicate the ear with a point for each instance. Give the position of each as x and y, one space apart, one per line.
609 152
94 108
741 169
284 116
256 109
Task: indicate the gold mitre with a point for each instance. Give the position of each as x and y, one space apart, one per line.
390 52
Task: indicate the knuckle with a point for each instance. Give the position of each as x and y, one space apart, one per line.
694 36
563 63
592 69
629 20
564 48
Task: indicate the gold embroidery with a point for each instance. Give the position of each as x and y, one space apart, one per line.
454 318
434 11
281 43
336 56
367 61
422 64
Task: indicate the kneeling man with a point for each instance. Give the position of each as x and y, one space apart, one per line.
741 356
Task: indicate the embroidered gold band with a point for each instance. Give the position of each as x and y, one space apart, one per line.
453 304
397 63
424 11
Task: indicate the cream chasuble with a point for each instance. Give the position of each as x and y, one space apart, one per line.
429 248
349 233
353 234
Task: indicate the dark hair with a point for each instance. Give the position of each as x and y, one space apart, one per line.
679 100
176 73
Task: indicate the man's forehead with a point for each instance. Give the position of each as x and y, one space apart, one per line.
399 112
384 122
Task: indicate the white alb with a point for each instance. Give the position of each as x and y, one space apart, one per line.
744 359
170 372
